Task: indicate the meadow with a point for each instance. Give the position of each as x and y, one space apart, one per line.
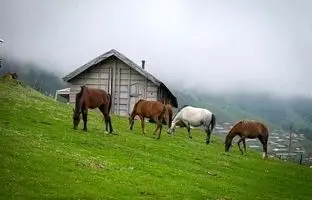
42 157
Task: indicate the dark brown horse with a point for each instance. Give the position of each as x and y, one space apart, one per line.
248 129
150 109
92 98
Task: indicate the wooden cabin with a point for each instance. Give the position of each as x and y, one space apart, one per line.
126 81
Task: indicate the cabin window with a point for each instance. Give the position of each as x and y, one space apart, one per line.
134 90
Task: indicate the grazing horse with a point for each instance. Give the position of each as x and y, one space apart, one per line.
164 121
92 98
150 109
248 129
191 116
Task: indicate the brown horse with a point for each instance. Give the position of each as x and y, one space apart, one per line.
248 129
92 98
164 121
150 109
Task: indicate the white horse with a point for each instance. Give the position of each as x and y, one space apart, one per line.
196 117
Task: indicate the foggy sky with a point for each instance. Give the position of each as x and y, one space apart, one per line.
214 45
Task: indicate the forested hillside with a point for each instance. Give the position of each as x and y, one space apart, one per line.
43 80
278 112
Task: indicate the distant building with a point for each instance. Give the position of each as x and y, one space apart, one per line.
122 78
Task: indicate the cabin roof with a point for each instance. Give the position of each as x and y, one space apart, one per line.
127 61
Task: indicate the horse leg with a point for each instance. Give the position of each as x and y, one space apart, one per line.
160 128
157 125
265 147
208 132
131 123
108 121
188 127
265 150
142 125
156 128
108 118
244 143
238 143
102 109
85 119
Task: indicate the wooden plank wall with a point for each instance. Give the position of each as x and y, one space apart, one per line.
96 77
127 76
115 77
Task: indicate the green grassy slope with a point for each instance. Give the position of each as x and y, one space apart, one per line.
42 157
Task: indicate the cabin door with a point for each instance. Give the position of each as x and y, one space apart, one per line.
105 79
137 91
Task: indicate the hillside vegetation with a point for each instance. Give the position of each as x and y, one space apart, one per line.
42 157
277 112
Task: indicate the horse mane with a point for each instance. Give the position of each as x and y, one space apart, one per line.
236 124
179 110
241 122
140 100
135 106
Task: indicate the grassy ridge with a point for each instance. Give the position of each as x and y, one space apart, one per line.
42 157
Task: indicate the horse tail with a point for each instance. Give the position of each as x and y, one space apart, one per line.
168 116
79 101
110 102
266 130
135 107
213 122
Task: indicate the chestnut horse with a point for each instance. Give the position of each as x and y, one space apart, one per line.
150 109
92 98
170 114
248 129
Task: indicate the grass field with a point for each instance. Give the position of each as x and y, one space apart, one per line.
42 157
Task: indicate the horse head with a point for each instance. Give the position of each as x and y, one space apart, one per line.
76 118
131 121
227 143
